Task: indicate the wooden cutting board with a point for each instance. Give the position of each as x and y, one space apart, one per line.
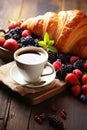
32 95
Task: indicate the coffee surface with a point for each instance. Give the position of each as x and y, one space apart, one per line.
30 58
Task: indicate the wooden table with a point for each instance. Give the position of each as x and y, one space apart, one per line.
15 114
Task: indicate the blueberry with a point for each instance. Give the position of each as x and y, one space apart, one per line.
83 98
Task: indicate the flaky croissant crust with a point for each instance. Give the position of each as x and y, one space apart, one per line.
67 28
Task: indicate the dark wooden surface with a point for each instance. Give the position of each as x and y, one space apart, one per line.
15 114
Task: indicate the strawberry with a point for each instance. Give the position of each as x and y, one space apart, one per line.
11 44
84 79
13 25
78 73
26 33
57 65
85 66
76 90
73 59
84 89
71 78
2 41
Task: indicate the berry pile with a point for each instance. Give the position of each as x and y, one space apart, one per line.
73 70
17 37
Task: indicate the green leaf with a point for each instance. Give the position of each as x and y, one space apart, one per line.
42 43
46 37
52 48
47 43
51 42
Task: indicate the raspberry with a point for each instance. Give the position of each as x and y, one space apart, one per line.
38 119
73 59
57 65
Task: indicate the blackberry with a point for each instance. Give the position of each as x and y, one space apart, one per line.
69 68
14 33
36 42
67 57
61 73
26 41
55 122
8 35
16 37
79 64
52 56
61 57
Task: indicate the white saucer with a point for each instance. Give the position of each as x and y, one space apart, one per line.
17 77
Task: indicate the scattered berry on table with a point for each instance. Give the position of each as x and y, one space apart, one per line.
53 108
63 114
37 119
43 116
55 122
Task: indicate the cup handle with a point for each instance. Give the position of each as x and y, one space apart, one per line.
50 66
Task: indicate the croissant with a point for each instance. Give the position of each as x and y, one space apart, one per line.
67 28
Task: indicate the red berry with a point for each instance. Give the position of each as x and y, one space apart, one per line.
73 59
84 89
38 119
72 79
53 108
26 33
84 79
63 110
2 41
13 25
63 115
11 44
57 65
42 116
85 66
76 90
78 73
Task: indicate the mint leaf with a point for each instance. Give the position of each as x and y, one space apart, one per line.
52 49
47 43
42 43
46 37
51 42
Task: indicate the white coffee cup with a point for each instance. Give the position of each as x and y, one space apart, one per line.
31 62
